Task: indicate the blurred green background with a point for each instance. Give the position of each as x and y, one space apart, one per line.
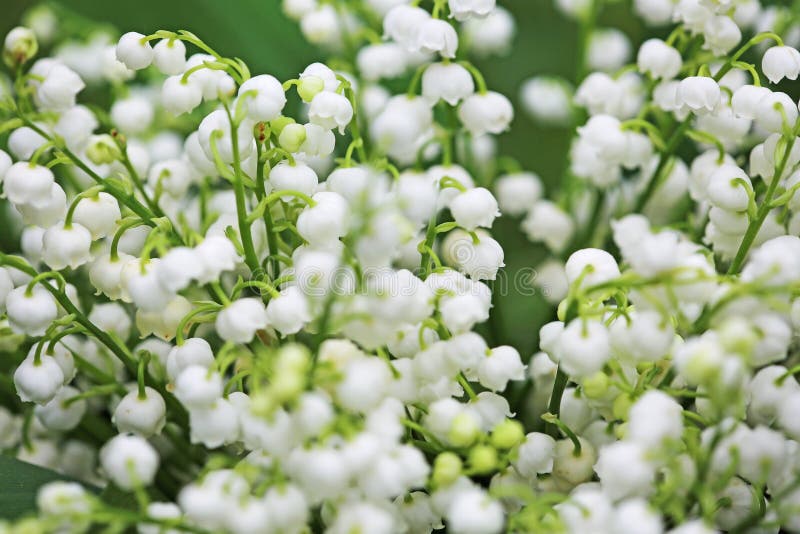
258 32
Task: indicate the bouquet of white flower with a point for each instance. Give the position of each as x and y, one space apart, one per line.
252 306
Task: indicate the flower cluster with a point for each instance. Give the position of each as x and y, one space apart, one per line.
254 305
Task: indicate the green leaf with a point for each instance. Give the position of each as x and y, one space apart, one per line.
20 482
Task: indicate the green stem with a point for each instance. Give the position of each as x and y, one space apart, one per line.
110 187
426 248
558 423
763 210
179 339
144 359
116 347
132 223
467 387
137 181
92 192
241 209
261 193
666 154
480 82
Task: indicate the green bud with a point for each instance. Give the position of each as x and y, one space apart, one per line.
507 434
595 386
702 367
621 407
9 341
483 459
102 149
464 430
20 46
737 336
293 358
263 403
292 137
288 386
446 469
620 430
277 125
309 86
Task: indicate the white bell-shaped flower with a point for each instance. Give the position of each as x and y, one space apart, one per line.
23 142
40 382
20 45
194 351
330 110
134 114
28 183
105 274
239 321
401 23
214 425
472 511
32 313
721 34
58 414
58 90
129 461
547 99
474 208
140 284
535 455
479 261
434 36
326 221
111 317
297 177
169 56
488 112
659 59
98 214
518 192
383 60
217 121
142 415
500 365
447 81
45 215
197 387
132 52
263 98
179 96
775 112
178 268
592 266
173 176
583 347
781 62
465 9
289 312
216 254
698 94
319 141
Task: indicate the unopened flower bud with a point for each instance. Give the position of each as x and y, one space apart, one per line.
102 149
464 430
507 434
134 53
20 46
309 86
446 469
483 459
292 137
